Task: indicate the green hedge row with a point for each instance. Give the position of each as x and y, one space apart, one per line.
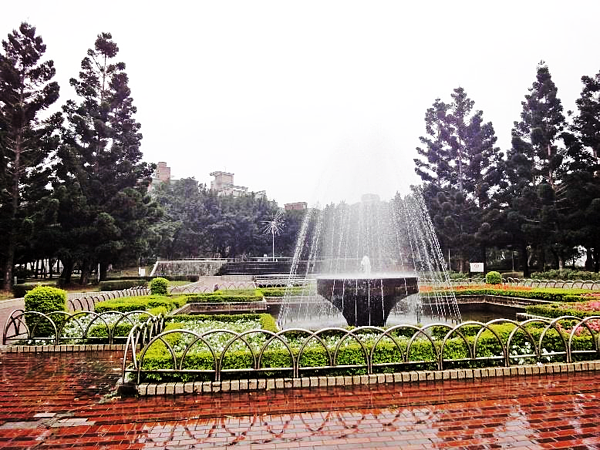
143 303
281 291
558 310
566 274
157 356
267 322
550 294
119 285
215 297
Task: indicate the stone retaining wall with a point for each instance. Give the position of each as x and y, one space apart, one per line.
61 348
206 387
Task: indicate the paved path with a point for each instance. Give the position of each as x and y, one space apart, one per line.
60 401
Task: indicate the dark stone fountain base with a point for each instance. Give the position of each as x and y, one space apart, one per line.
366 300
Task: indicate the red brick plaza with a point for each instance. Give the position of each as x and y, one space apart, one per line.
68 401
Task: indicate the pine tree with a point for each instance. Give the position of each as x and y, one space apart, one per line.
102 167
532 169
460 166
581 193
27 142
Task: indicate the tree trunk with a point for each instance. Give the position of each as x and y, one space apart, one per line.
589 259
8 264
67 271
103 271
85 273
525 257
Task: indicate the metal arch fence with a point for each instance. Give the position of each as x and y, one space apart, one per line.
133 363
224 286
570 284
88 302
79 324
527 282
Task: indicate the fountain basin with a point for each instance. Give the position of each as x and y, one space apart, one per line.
366 299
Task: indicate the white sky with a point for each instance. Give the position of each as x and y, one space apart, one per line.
295 96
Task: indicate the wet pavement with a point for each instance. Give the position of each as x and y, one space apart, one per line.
68 401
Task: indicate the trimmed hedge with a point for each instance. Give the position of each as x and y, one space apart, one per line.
493 277
216 297
281 291
557 310
267 322
20 290
119 285
550 294
143 303
159 286
157 357
46 300
566 274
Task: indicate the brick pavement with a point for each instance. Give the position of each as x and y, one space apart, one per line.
67 401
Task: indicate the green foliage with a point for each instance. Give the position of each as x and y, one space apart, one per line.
142 303
550 294
555 310
159 286
493 277
119 285
566 274
281 291
27 143
45 300
225 297
422 355
19 290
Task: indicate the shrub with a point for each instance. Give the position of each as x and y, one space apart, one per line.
217 297
159 286
142 303
44 299
19 290
493 277
421 354
119 285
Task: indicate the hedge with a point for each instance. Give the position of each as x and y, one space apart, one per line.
550 294
143 303
267 322
221 298
119 285
281 291
46 300
159 286
558 310
157 357
19 290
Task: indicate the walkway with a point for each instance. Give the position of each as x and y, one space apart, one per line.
61 401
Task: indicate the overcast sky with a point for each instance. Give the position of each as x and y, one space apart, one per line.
315 99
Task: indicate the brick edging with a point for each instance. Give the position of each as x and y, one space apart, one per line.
205 387
61 348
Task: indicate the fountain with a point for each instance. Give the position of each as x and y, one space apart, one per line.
364 260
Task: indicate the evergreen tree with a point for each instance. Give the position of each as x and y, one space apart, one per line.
460 166
101 167
27 142
532 169
581 191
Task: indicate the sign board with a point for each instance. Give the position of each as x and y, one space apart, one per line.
142 271
476 267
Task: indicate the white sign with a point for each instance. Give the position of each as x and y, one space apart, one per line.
142 271
476 267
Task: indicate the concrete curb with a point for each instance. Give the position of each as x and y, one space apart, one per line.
207 387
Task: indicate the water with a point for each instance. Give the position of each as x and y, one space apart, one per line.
343 240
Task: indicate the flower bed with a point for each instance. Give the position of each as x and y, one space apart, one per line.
580 309
186 352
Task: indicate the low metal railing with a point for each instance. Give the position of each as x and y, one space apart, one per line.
438 347
89 301
58 327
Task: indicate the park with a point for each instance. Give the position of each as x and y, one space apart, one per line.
146 311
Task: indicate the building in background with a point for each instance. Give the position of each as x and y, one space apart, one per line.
223 185
297 206
161 175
